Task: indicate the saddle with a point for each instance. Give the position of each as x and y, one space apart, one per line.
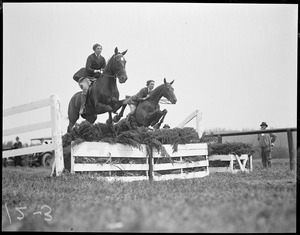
82 73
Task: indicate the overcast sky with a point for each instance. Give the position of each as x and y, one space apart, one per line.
235 63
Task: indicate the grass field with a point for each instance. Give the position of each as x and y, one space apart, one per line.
261 201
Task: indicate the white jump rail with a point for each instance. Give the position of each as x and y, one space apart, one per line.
242 161
109 152
106 153
184 152
54 124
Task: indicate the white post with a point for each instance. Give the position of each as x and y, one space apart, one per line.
181 169
198 125
231 163
207 160
72 157
250 162
147 164
56 134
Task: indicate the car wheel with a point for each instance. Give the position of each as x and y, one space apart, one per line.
25 160
47 160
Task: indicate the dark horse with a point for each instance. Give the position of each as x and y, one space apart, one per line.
148 113
103 91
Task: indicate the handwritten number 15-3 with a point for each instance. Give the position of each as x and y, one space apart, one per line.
47 211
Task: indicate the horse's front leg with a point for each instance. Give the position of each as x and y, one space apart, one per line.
120 103
160 116
109 120
164 113
110 124
153 117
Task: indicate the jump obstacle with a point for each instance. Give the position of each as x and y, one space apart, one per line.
54 124
232 159
123 162
181 166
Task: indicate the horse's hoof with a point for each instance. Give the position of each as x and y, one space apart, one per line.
157 126
116 118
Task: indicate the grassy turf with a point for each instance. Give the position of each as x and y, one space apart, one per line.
261 201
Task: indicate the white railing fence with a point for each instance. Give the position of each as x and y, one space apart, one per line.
54 124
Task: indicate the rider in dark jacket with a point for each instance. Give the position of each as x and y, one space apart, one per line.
95 65
142 95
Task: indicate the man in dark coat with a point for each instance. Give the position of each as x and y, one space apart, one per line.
17 145
266 142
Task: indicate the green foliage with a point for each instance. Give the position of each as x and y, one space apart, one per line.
208 138
134 137
129 138
84 131
153 139
187 135
236 148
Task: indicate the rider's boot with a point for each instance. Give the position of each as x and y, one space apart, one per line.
83 101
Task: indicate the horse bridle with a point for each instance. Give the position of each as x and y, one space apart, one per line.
116 74
165 100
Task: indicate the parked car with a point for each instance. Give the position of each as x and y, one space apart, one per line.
7 161
42 158
11 161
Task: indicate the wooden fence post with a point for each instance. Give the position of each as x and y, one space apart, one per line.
291 149
56 135
219 139
72 157
250 162
150 163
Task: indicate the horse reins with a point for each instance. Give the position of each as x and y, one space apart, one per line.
112 76
164 101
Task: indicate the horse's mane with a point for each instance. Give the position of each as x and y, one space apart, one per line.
156 91
109 63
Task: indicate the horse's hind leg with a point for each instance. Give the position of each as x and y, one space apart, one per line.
72 120
70 126
91 119
73 110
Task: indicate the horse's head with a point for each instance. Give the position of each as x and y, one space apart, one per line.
116 66
168 92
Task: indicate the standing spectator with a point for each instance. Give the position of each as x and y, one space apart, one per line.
266 142
166 126
17 145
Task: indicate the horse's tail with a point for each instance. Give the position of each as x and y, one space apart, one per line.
74 103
